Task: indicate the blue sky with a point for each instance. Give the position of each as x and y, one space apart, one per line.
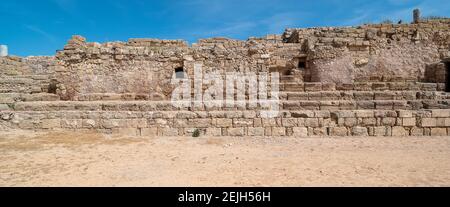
40 27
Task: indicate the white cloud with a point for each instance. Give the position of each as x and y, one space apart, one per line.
41 32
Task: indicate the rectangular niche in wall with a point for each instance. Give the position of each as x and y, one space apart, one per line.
301 64
179 73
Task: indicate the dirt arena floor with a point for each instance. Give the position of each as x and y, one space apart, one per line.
90 159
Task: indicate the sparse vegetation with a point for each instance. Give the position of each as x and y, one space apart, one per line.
196 133
387 21
434 17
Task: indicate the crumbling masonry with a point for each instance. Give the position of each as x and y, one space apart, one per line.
370 80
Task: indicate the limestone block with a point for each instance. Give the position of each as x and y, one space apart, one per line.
343 114
256 131
338 131
214 131
200 123
223 122
234 114
380 86
427 131
360 131
268 131
388 121
382 131
27 124
313 86
270 122
404 114
166 131
362 86
409 122
327 122
350 122
241 122
217 114
385 113
399 131
428 122
257 122
300 132
51 123
249 114
417 131
149 132
365 105
428 86
312 122
322 114
441 113
289 122
398 86
320 131
89 123
368 122
345 87
329 86
440 122
236 131
347 105
439 132
364 114
71 123
180 122
384 95
384 105
330 95
315 96
278 131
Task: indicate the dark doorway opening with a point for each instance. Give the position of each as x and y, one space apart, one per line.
447 76
302 64
179 73
52 87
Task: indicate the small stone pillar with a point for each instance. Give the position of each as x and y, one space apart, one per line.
416 16
3 50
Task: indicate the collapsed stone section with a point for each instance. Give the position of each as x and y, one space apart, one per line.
373 52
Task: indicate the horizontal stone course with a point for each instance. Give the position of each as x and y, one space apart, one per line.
289 123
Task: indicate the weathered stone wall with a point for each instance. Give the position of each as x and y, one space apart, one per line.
383 52
26 75
373 52
238 123
146 66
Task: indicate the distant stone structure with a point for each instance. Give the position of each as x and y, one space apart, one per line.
416 16
369 80
3 50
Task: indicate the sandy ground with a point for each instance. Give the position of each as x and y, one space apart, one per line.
75 159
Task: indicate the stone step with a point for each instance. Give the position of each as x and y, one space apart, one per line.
293 96
10 98
364 86
23 84
364 95
239 123
277 105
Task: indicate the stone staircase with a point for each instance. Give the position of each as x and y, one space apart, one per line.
17 88
305 109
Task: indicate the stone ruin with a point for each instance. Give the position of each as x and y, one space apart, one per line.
370 80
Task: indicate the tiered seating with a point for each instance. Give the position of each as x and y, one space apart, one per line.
305 109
